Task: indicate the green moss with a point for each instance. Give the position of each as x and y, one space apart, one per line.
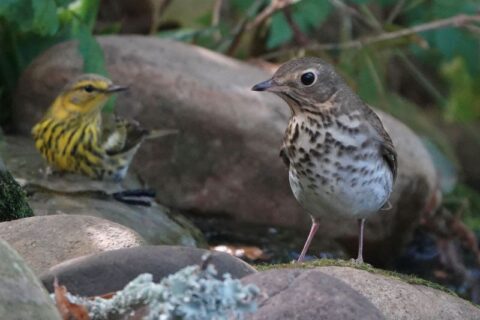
13 203
411 279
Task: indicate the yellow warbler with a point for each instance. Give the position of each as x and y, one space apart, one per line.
74 136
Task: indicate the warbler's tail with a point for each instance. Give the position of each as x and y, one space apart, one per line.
153 134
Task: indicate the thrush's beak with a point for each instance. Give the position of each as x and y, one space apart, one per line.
263 86
116 88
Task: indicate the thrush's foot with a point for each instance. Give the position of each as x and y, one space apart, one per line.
359 260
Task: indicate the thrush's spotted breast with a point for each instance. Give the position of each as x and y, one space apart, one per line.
341 160
74 136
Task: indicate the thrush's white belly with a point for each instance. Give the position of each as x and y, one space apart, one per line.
335 181
355 194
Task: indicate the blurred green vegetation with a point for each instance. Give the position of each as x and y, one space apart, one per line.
466 200
28 27
443 62
429 78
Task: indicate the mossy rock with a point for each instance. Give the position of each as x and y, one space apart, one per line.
410 279
13 202
397 296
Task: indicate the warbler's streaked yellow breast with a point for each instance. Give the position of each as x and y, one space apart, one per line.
73 136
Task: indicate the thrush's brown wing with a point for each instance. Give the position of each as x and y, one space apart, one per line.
386 145
283 155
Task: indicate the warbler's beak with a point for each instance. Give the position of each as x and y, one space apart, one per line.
264 86
116 88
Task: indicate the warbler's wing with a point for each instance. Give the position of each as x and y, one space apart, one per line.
135 135
114 134
120 135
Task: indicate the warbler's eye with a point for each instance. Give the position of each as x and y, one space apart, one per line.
308 78
89 88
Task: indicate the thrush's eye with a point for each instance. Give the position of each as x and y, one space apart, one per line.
89 88
308 78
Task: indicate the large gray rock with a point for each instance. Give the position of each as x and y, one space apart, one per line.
111 271
45 241
75 194
397 299
308 295
22 296
225 160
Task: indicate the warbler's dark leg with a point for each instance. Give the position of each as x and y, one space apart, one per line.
135 196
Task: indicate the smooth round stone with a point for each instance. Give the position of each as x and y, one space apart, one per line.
397 299
111 271
44 241
22 296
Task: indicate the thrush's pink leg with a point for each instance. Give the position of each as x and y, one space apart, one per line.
361 224
313 230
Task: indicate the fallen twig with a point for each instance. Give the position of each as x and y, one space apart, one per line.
298 35
275 5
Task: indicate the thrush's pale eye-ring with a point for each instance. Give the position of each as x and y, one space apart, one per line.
89 88
308 78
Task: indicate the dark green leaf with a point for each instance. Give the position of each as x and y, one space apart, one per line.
311 13
242 5
92 53
33 16
63 3
463 101
18 14
88 12
45 17
280 31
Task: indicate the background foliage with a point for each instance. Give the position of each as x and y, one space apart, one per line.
28 27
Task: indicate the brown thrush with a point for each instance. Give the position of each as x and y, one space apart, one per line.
341 160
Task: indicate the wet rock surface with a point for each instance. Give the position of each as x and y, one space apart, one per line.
22 296
45 241
111 271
